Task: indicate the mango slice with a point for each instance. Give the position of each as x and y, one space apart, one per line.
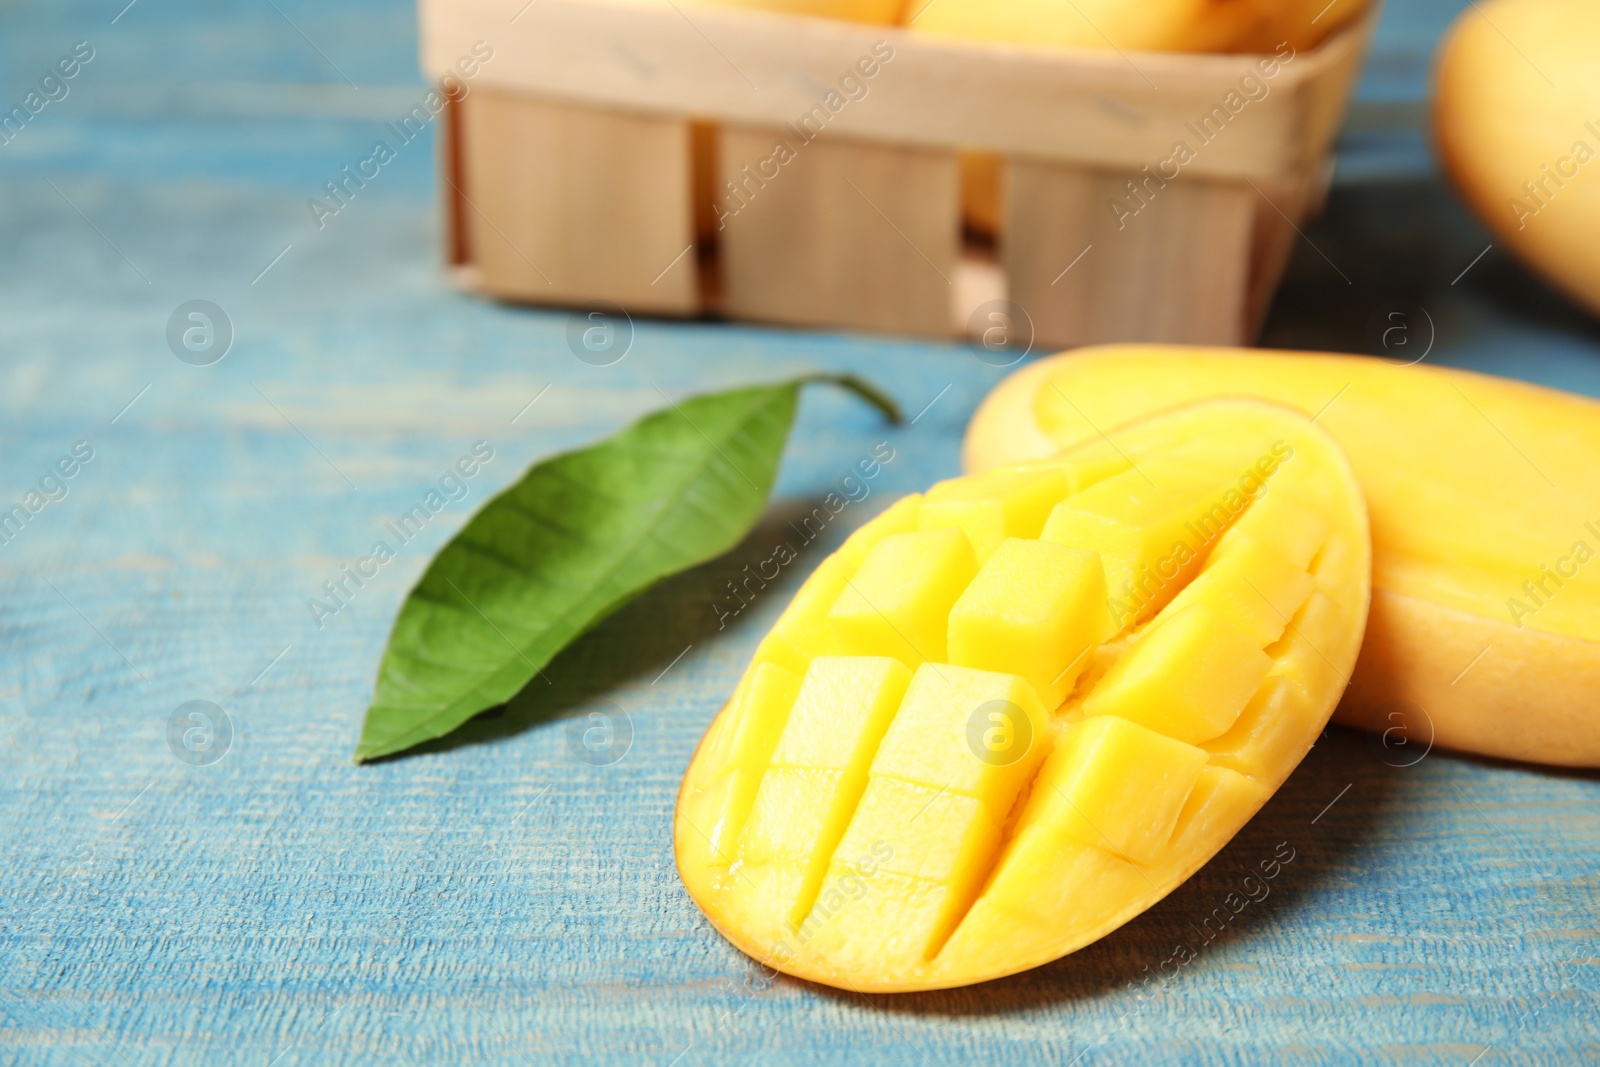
1517 119
1485 500
1010 715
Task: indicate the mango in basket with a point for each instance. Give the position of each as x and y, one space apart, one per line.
1518 127
1283 27
1485 499
884 11
1139 25
1009 715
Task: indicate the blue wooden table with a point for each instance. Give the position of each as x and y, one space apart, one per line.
253 897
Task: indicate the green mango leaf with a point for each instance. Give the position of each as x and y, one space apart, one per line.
580 535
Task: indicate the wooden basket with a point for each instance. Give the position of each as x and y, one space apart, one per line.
577 159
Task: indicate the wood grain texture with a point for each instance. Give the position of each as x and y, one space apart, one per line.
1094 261
844 233
571 154
577 205
499 900
764 68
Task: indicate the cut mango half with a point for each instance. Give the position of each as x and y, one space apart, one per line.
1010 715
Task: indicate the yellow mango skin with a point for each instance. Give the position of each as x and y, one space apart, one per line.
1281 27
1142 25
879 11
968 856
1500 124
1474 483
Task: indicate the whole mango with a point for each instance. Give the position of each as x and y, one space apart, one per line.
1517 118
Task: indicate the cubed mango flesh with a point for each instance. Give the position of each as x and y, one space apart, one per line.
1188 678
1008 503
1116 785
819 767
897 602
1035 609
1152 529
1252 585
956 771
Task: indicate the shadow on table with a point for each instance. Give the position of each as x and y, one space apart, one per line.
1390 247
644 638
1298 822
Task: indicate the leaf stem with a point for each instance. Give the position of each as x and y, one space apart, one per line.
863 389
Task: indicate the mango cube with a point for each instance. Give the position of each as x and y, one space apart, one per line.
797 816
930 838
1252 585
743 750
896 604
1151 535
803 630
1270 733
715 814
879 918
926 833
1221 798
1005 503
900 517
992 938
1300 654
1188 678
790 816
1116 785
844 705
819 768
1035 609
1050 873
1294 525
971 732
759 716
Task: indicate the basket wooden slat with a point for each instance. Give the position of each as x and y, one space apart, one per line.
849 232
573 204
576 176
